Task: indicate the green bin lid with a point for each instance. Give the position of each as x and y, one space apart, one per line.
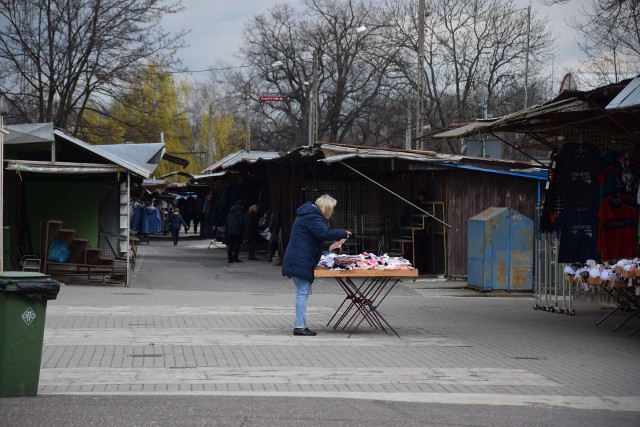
21 275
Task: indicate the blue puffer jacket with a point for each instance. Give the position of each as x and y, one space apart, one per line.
308 234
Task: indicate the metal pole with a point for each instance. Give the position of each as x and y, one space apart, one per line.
247 124
313 96
128 245
526 66
407 141
421 12
211 152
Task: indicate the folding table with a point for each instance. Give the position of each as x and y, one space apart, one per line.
627 300
364 295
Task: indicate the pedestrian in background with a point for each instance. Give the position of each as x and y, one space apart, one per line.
175 222
308 234
234 231
251 230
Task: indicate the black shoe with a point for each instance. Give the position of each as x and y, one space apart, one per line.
252 258
230 261
306 332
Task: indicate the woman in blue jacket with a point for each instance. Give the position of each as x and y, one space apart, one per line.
308 234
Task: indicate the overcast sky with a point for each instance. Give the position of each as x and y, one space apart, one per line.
216 30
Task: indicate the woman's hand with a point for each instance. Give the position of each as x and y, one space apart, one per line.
335 245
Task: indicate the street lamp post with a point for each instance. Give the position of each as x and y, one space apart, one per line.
211 152
247 117
247 122
526 66
419 105
312 129
312 126
313 102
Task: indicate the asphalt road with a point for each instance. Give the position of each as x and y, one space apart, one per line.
136 410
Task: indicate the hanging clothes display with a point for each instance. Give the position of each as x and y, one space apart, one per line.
599 212
146 220
578 234
552 205
577 170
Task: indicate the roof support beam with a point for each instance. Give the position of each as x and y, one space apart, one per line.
395 194
518 149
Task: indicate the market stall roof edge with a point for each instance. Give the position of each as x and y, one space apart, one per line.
240 157
140 159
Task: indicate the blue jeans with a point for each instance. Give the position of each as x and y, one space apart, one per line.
303 289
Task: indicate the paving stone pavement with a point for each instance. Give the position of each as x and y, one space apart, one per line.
192 324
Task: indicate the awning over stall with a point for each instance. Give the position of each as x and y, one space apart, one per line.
241 157
570 108
140 159
61 168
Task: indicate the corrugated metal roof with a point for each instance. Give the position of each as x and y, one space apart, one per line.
462 131
29 133
479 127
107 154
146 155
141 159
340 152
241 156
62 168
179 173
628 97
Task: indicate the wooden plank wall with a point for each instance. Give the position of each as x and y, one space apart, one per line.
468 193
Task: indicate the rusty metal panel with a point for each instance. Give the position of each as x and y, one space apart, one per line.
521 253
500 254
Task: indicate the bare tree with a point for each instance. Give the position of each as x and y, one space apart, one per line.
475 55
348 73
611 38
57 55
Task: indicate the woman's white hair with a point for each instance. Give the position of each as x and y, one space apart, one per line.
326 203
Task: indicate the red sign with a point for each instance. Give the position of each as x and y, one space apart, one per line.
271 98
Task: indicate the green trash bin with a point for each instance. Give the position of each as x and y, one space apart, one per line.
23 306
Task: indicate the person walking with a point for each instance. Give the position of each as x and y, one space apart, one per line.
251 230
308 234
234 230
175 222
274 230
